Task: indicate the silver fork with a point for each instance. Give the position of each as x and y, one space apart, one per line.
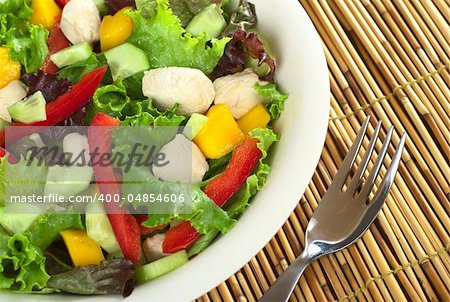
342 216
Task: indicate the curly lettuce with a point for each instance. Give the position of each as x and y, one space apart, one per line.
27 43
110 99
114 100
185 10
74 72
22 265
167 43
277 99
22 262
205 217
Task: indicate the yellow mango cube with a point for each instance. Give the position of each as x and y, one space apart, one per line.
221 133
44 13
82 249
257 117
9 69
115 30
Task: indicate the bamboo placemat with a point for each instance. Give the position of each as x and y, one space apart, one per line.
390 60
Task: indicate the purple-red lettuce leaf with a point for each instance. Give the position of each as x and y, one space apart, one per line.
111 277
115 5
50 86
242 48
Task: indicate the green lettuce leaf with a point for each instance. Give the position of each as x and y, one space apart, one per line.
276 98
185 10
133 85
144 113
22 265
30 49
254 183
27 42
45 230
206 216
114 100
110 99
167 43
217 166
19 8
74 72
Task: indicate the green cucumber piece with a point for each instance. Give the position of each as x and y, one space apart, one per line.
68 180
262 70
71 55
29 110
160 267
126 60
4 123
101 6
17 223
210 20
99 228
194 125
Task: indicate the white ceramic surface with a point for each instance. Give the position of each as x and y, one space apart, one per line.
302 72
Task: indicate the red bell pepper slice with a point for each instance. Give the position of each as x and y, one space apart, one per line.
124 225
243 161
140 218
56 42
61 108
11 158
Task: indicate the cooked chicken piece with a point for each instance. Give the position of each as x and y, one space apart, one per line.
185 162
238 92
80 21
9 95
189 87
76 144
152 247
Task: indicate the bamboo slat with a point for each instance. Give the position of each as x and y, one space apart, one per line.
389 59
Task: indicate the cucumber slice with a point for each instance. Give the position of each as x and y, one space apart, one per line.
71 55
68 180
194 125
126 60
29 110
209 20
17 223
160 267
101 6
4 123
99 228
262 70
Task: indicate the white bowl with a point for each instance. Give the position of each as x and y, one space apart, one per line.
302 72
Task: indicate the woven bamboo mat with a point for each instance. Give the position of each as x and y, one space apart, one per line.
390 60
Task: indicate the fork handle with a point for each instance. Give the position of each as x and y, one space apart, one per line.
282 288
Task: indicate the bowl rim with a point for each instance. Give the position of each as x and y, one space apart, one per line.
173 286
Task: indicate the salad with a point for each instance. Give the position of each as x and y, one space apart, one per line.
84 76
